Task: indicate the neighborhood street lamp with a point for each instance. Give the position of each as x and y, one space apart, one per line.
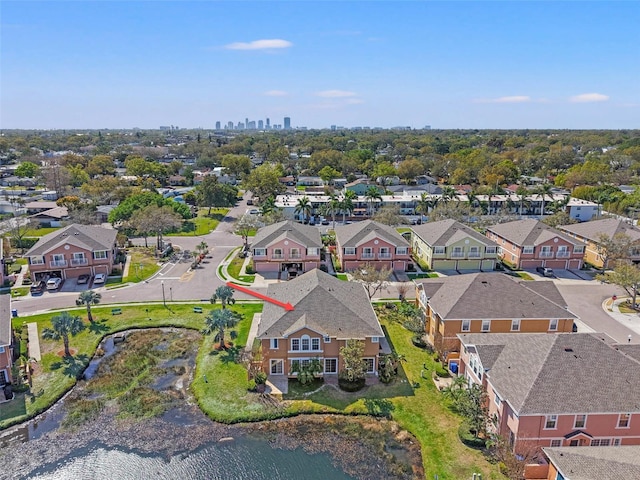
164 299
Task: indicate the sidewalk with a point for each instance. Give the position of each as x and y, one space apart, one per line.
629 320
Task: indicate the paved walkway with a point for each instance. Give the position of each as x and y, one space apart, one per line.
629 320
253 331
34 342
20 275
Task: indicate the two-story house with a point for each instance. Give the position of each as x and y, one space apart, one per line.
6 343
529 243
371 242
451 245
73 251
592 233
573 389
286 247
488 303
326 313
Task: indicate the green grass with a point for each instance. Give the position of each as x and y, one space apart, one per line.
234 267
40 232
203 223
143 264
342 276
19 291
422 275
524 275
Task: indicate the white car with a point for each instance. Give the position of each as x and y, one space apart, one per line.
53 283
99 278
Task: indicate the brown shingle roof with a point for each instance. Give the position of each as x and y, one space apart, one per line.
528 232
356 233
607 226
322 303
589 463
88 237
448 231
306 235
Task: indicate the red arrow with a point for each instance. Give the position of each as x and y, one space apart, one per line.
287 306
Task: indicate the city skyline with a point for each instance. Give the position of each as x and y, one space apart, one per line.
480 65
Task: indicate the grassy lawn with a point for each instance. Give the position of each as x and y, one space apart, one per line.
203 223
524 275
342 276
413 276
626 308
19 291
40 232
143 264
233 269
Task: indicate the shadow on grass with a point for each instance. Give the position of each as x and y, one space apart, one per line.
72 366
379 407
15 407
232 354
98 327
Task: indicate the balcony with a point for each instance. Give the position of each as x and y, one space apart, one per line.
367 255
77 262
384 255
474 254
58 263
457 254
295 256
546 254
563 254
277 256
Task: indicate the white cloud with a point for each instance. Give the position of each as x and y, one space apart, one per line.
511 99
335 94
354 101
276 93
260 45
589 97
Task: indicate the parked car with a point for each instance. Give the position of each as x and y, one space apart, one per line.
325 222
54 283
99 278
84 278
37 287
544 271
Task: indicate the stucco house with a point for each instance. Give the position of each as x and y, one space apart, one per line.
6 343
286 246
326 313
529 243
72 251
371 242
451 245
574 389
591 233
488 303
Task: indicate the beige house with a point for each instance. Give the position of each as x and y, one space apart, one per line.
451 245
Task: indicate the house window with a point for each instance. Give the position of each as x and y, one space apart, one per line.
458 252
315 344
515 325
527 250
513 258
294 366
486 325
350 250
259 252
295 344
546 252
496 398
295 253
578 249
312 251
550 422
367 252
305 341
556 443
384 252
100 255
375 339
36 260
553 324
616 442
438 250
490 250
1 348
513 247
466 325
327 339
330 365
277 366
402 251
474 252
370 364
57 260
623 420
580 421
274 344
277 253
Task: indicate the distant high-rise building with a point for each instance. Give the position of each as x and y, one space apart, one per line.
268 124
240 126
251 125
230 125
287 123
260 124
218 125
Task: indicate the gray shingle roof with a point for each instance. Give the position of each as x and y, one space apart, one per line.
306 235
446 232
89 237
607 226
528 232
356 233
589 463
5 319
322 303
564 373
492 296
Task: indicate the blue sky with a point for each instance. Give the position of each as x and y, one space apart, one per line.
124 64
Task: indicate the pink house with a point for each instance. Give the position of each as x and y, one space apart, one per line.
530 243
6 344
371 242
287 247
73 251
567 389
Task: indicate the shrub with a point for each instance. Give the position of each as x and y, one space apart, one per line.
418 341
348 386
249 269
441 371
468 438
260 378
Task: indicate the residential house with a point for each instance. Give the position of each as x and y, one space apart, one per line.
584 463
530 243
371 242
591 234
582 210
310 182
326 313
574 389
102 213
488 303
361 185
6 343
52 217
286 246
451 245
72 251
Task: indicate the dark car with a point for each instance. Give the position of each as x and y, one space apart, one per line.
38 287
544 271
84 278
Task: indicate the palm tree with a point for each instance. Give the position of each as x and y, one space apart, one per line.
346 204
473 201
448 193
372 195
304 206
522 193
63 326
268 206
331 208
219 321
88 298
224 293
424 204
544 190
202 247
